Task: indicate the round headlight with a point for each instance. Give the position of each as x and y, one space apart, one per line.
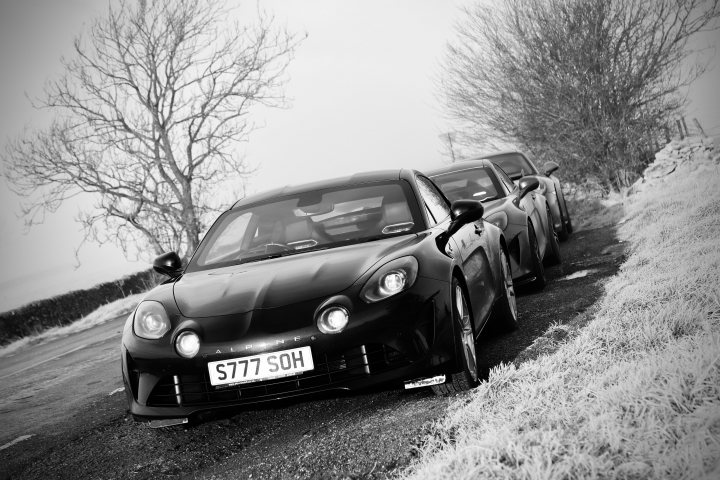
333 319
392 282
151 320
390 279
187 344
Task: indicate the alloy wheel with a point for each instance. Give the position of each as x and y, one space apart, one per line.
509 285
467 337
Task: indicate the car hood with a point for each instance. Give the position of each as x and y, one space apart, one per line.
280 281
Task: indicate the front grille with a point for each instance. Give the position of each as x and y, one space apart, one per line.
193 389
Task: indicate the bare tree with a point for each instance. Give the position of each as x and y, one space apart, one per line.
148 117
586 83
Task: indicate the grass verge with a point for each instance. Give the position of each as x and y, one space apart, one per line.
590 212
635 393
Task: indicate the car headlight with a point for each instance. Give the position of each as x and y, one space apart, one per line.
187 344
390 279
151 320
500 219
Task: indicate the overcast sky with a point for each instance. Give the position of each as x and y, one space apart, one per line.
363 97
362 93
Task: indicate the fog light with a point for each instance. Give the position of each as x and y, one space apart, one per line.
187 344
333 319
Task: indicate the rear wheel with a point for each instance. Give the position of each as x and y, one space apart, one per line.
467 378
554 257
507 306
538 270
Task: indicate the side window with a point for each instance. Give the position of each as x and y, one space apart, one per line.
434 201
507 181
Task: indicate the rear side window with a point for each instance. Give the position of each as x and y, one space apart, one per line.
435 202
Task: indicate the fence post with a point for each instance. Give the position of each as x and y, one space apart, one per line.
667 133
697 124
682 120
680 129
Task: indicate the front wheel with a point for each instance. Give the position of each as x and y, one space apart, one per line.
507 306
538 270
553 256
467 378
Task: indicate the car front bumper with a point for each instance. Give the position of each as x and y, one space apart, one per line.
401 338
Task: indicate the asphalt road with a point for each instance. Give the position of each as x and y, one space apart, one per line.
62 415
41 386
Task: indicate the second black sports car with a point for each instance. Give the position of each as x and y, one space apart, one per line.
340 284
522 213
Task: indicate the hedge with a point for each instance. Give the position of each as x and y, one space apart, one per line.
64 309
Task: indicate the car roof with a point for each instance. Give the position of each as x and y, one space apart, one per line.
497 154
458 166
355 179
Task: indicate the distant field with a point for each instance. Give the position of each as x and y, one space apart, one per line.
39 316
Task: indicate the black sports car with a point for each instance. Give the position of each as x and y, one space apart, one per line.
518 165
522 214
340 284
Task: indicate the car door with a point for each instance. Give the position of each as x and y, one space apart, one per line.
511 216
472 247
532 208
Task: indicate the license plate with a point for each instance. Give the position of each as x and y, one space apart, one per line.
264 366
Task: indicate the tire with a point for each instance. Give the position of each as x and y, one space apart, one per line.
568 224
566 227
553 255
538 270
563 234
465 337
506 313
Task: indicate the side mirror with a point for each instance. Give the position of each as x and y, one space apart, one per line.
463 212
550 167
168 264
527 185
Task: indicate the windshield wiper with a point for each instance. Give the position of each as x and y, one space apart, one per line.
268 256
383 236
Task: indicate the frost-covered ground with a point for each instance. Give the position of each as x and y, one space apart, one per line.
634 393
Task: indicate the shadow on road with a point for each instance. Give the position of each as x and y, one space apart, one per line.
589 258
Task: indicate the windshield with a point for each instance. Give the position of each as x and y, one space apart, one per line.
514 164
475 184
308 221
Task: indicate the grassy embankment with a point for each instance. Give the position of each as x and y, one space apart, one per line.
635 393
